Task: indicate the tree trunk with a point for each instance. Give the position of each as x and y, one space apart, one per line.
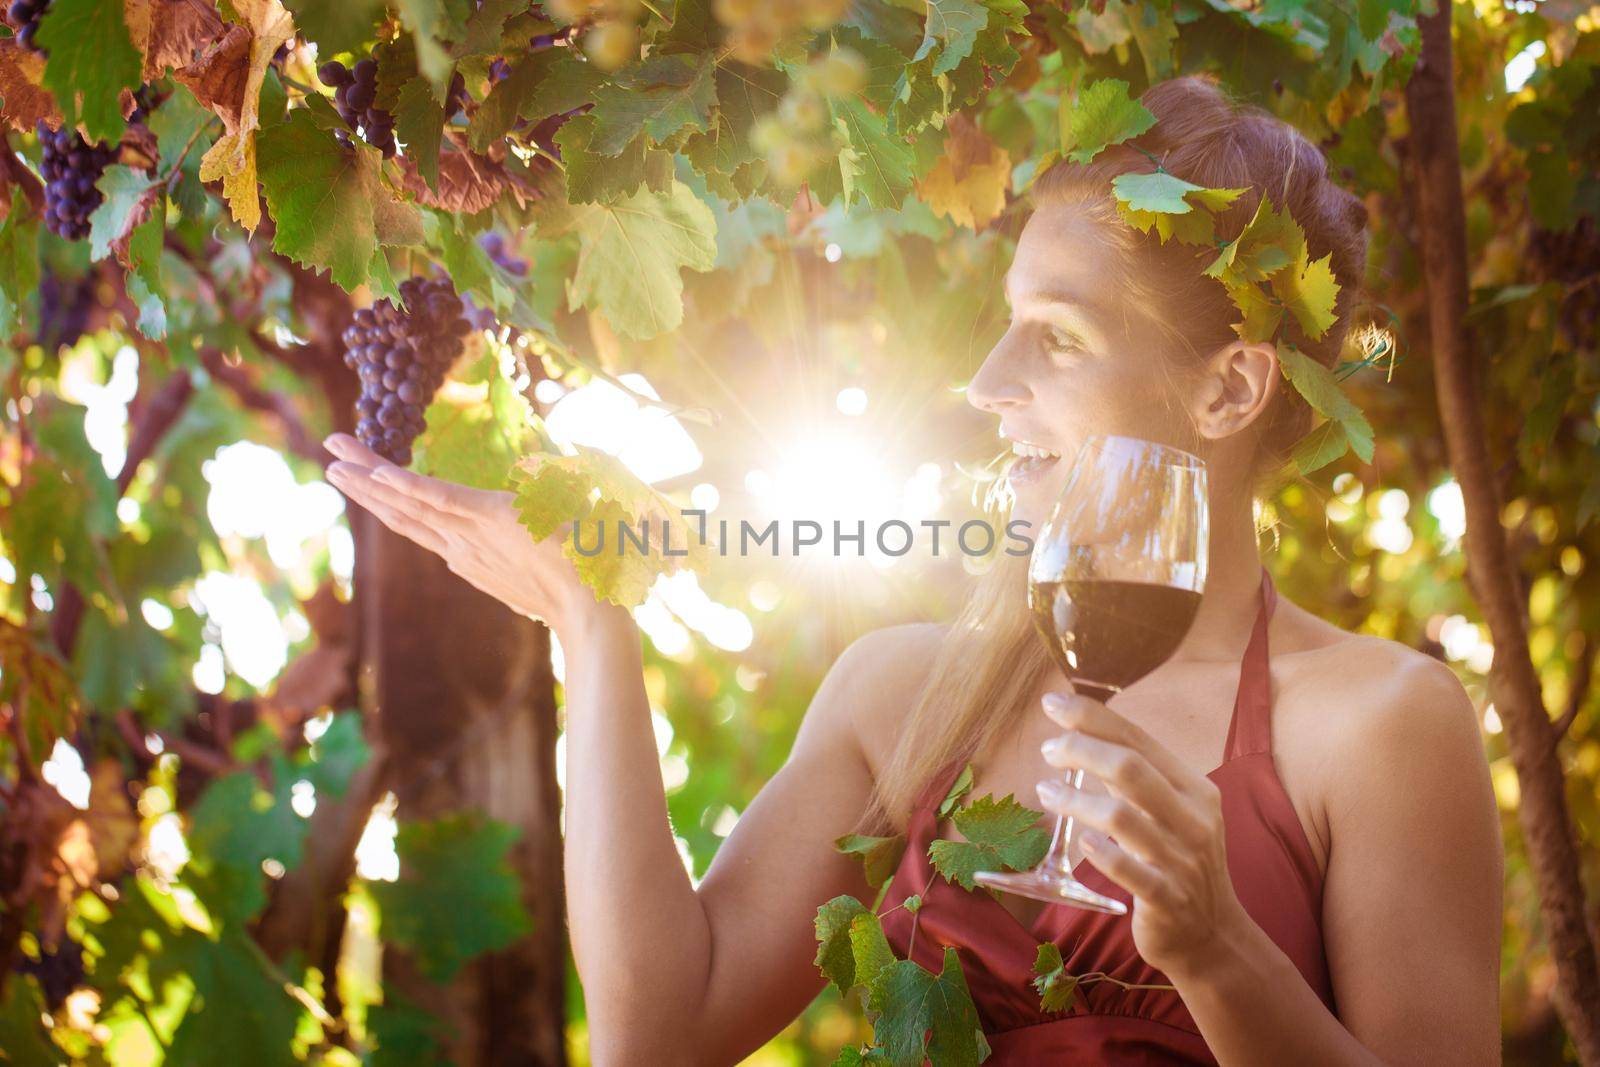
1514 685
465 701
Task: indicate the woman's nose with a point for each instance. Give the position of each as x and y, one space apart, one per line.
997 386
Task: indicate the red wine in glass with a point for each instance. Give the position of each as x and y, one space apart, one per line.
1114 583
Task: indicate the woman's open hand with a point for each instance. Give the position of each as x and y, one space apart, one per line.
475 532
1166 821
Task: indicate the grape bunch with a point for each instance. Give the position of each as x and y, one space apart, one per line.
402 355
25 16
71 166
355 94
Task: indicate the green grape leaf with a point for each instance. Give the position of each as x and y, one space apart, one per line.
477 432
1102 115
335 27
1000 835
659 97
419 124
336 755
128 193
22 1034
56 525
952 27
237 826
875 164
958 789
1320 446
593 178
237 1005
1317 384
1058 990
1321 389
879 855
432 22
869 947
91 60
631 252
926 1016
405 1034
19 267
485 27
142 280
1161 191
457 895
329 204
836 957
744 94
543 83
884 63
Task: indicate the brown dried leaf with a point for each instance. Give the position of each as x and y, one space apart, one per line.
467 182
139 148
113 825
220 75
32 833
227 79
168 33
27 101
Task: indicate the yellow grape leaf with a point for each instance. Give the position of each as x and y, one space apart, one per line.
233 160
1270 241
1308 290
971 178
1261 316
597 494
215 80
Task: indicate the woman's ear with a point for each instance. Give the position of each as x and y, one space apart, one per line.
1236 385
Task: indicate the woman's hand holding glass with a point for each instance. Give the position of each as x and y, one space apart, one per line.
1169 849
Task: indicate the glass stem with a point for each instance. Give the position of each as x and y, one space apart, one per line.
1056 859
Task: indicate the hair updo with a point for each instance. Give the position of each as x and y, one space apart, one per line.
1207 135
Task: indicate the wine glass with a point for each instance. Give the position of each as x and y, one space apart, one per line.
1114 582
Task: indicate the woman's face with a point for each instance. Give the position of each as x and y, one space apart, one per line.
1066 369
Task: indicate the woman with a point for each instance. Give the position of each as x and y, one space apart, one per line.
1328 893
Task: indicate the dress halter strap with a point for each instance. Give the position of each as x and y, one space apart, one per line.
1250 729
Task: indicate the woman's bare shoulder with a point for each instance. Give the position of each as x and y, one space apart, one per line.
1375 695
885 669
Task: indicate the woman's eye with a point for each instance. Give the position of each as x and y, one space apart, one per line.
1062 341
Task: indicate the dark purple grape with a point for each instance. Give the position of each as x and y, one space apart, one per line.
70 168
355 93
402 356
25 15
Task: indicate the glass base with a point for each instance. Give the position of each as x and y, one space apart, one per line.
1053 888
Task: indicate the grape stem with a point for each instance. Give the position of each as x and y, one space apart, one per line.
177 164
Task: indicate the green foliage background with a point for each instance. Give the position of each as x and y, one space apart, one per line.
672 237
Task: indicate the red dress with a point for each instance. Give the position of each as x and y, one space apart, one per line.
1274 873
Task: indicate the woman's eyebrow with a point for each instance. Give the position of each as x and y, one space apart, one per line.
1077 301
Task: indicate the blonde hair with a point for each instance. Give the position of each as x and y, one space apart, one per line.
991 660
